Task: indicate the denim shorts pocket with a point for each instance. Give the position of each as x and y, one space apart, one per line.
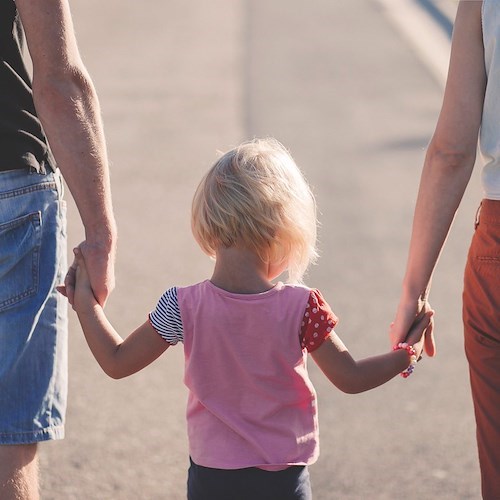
20 241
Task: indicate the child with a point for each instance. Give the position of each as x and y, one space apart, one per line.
251 412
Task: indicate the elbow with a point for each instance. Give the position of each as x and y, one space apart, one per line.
451 158
114 375
57 90
349 386
113 372
114 366
355 382
350 389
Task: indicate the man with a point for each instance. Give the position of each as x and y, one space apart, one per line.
58 106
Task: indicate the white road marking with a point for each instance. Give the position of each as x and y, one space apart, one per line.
429 41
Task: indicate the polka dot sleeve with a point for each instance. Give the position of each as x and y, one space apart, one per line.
318 322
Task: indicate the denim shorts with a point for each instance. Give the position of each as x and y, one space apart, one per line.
33 316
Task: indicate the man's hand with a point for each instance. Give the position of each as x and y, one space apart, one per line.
100 264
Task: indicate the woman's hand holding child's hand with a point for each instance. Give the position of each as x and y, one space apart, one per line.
419 330
407 315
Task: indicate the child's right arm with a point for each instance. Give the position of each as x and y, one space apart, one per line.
117 357
353 376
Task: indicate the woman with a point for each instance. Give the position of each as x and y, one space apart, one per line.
471 104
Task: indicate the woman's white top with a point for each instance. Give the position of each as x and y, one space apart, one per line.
489 137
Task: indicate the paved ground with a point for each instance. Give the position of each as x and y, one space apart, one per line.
339 86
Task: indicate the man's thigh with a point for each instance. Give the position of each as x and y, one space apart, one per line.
33 318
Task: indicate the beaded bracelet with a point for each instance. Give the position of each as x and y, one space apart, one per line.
413 357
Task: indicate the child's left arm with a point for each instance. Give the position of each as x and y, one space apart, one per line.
353 376
117 357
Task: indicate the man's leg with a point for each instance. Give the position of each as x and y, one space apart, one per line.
19 472
33 327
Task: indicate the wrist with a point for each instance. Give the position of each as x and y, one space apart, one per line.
103 237
88 309
414 294
412 357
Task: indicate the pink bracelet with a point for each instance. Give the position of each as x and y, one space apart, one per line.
413 357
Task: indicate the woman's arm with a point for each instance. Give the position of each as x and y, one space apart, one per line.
448 165
117 357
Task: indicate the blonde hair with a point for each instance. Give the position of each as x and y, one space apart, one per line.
256 196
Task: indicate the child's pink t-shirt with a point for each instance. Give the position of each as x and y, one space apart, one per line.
251 402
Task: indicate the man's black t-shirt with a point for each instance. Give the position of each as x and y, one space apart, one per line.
22 141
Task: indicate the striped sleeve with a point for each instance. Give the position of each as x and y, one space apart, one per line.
166 318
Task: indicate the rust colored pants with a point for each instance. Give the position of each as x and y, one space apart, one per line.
481 315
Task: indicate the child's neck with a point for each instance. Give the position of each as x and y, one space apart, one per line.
240 270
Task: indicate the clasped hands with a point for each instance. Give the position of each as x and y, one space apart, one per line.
99 263
409 314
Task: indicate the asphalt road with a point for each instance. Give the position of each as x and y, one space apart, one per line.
339 86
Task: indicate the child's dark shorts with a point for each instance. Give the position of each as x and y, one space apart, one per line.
248 484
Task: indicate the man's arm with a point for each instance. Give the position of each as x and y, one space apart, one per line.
448 165
67 105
